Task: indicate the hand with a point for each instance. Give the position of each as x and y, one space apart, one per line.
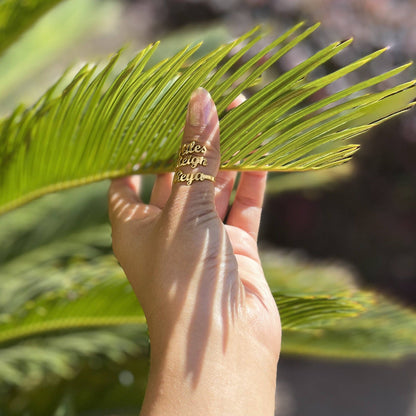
213 324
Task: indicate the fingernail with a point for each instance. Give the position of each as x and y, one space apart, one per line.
199 108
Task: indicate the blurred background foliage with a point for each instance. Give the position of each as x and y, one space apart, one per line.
56 255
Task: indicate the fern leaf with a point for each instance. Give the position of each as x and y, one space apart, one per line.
97 129
309 312
96 294
32 362
384 330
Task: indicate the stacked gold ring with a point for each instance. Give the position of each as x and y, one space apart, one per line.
190 178
188 156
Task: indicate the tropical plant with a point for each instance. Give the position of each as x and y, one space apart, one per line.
64 303
43 51
18 16
134 117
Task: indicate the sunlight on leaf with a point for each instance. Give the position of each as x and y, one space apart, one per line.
96 129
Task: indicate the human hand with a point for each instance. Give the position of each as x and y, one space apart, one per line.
213 323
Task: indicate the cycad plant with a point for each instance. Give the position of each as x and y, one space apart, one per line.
64 303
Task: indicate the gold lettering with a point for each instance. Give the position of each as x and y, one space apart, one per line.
192 161
189 178
192 147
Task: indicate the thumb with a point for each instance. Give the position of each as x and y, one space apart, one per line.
123 197
199 155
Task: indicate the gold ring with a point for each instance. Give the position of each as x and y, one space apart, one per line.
190 178
192 147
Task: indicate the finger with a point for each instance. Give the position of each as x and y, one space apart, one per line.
199 157
123 196
161 190
224 182
245 212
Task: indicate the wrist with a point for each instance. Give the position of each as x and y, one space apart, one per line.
237 381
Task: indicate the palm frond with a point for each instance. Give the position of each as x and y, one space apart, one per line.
32 362
93 130
46 46
16 16
385 330
72 370
309 312
96 294
37 233
83 303
279 183
296 275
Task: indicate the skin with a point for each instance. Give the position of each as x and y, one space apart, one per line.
194 266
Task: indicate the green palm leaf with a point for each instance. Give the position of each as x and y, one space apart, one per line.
45 373
279 183
32 362
96 294
16 16
385 330
98 129
48 44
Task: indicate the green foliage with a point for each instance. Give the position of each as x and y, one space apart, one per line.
68 371
92 131
97 296
45 359
43 50
16 16
64 302
385 329
278 183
